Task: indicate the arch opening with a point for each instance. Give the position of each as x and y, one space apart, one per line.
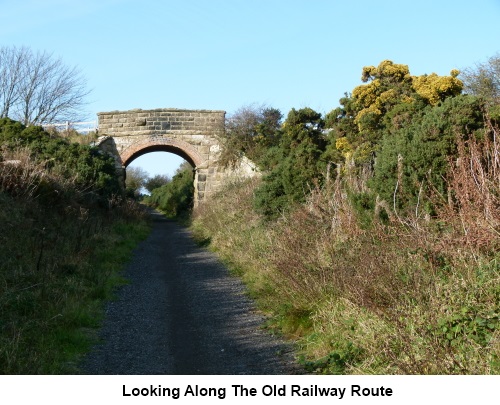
161 179
159 144
159 148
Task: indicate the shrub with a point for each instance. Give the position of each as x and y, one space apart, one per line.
300 167
87 167
413 159
399 296
176 197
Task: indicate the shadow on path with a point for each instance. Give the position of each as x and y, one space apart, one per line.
182 313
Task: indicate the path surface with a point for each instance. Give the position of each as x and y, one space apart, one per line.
183 314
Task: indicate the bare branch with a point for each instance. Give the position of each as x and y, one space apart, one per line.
11 61
36 88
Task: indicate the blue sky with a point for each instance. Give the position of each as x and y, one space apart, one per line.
222 54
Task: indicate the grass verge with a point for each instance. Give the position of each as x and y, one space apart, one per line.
58 266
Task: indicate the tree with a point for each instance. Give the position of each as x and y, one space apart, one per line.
156 181
11 64
176 197
299 164
250 131
36 88
135 180
483 80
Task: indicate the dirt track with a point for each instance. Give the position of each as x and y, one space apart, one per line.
183 314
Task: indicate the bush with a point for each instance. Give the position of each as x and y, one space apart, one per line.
413 158
176 197
87 167
299 167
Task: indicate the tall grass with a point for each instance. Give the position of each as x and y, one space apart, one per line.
60 256
405 295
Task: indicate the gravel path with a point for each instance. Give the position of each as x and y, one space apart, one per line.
183 314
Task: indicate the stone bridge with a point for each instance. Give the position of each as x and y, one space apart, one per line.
192 134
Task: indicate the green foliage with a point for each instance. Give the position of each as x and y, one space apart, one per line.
456 329
64 238
388 100
176 197
250 131
369 283
388 84
156 181
383 299
300 165
414 154
335 362
364 205
59 263
86 166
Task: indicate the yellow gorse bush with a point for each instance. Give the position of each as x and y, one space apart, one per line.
390 83
436 88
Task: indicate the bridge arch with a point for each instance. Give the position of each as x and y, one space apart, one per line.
191 134
162 144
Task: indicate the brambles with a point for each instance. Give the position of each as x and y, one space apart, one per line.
375 244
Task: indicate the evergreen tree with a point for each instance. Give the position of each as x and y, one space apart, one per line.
300 165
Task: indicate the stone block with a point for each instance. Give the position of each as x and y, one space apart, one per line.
202 177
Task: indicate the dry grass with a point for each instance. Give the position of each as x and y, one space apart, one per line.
19 174
474 207
235 231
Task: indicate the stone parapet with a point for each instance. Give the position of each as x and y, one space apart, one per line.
161 121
